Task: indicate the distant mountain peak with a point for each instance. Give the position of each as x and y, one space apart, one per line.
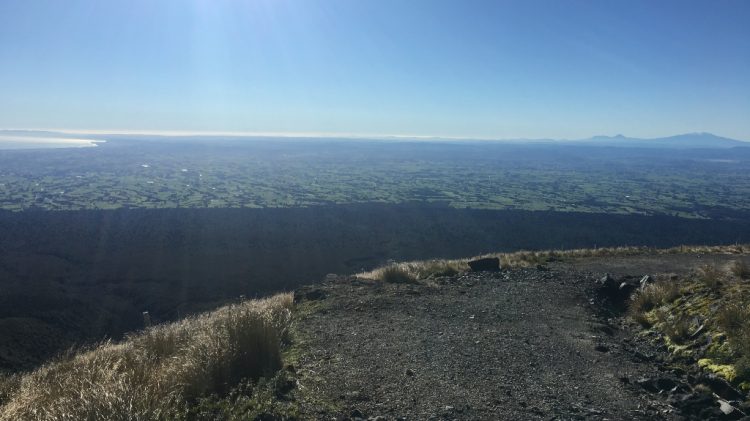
697 140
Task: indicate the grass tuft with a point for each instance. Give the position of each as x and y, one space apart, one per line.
710 276
159 373
733 319
397 275
678 329
740 269
653 296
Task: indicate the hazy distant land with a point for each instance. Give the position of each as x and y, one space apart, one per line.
673 176
42 141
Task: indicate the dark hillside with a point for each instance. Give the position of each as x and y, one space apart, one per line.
81 275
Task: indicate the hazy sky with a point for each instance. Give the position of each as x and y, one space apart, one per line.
495 69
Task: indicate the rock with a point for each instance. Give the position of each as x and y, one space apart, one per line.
721 387
692 404
646 281
601 348
727 409
487 264
698 331
409 372
607 281
656 385
627 288
705 406
615 292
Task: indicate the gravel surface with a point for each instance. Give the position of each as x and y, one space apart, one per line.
516 345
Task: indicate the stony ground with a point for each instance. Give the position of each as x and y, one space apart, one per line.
518 344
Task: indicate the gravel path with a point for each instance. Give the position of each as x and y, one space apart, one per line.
516 345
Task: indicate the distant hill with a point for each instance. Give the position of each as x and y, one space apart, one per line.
682 141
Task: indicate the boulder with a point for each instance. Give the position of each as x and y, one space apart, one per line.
720 387
729 410
615 292
646 281
607 282
692 404
487 264
626 289
657 384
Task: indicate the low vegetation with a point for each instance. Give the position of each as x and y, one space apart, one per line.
413 271
703 317
652 297
165 372
710 276
226 364
397 275
421 270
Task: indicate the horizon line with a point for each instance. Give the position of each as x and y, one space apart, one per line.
333 135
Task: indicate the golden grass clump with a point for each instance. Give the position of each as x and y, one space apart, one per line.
396 274
8 384
733 318
678 329
156 374
409 272
651 297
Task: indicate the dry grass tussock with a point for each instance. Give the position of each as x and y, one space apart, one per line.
420 270
732 319
710 276
412 271
653 296
155 374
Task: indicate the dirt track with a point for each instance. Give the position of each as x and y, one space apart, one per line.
520 344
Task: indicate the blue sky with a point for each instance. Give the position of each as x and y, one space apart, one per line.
464 68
